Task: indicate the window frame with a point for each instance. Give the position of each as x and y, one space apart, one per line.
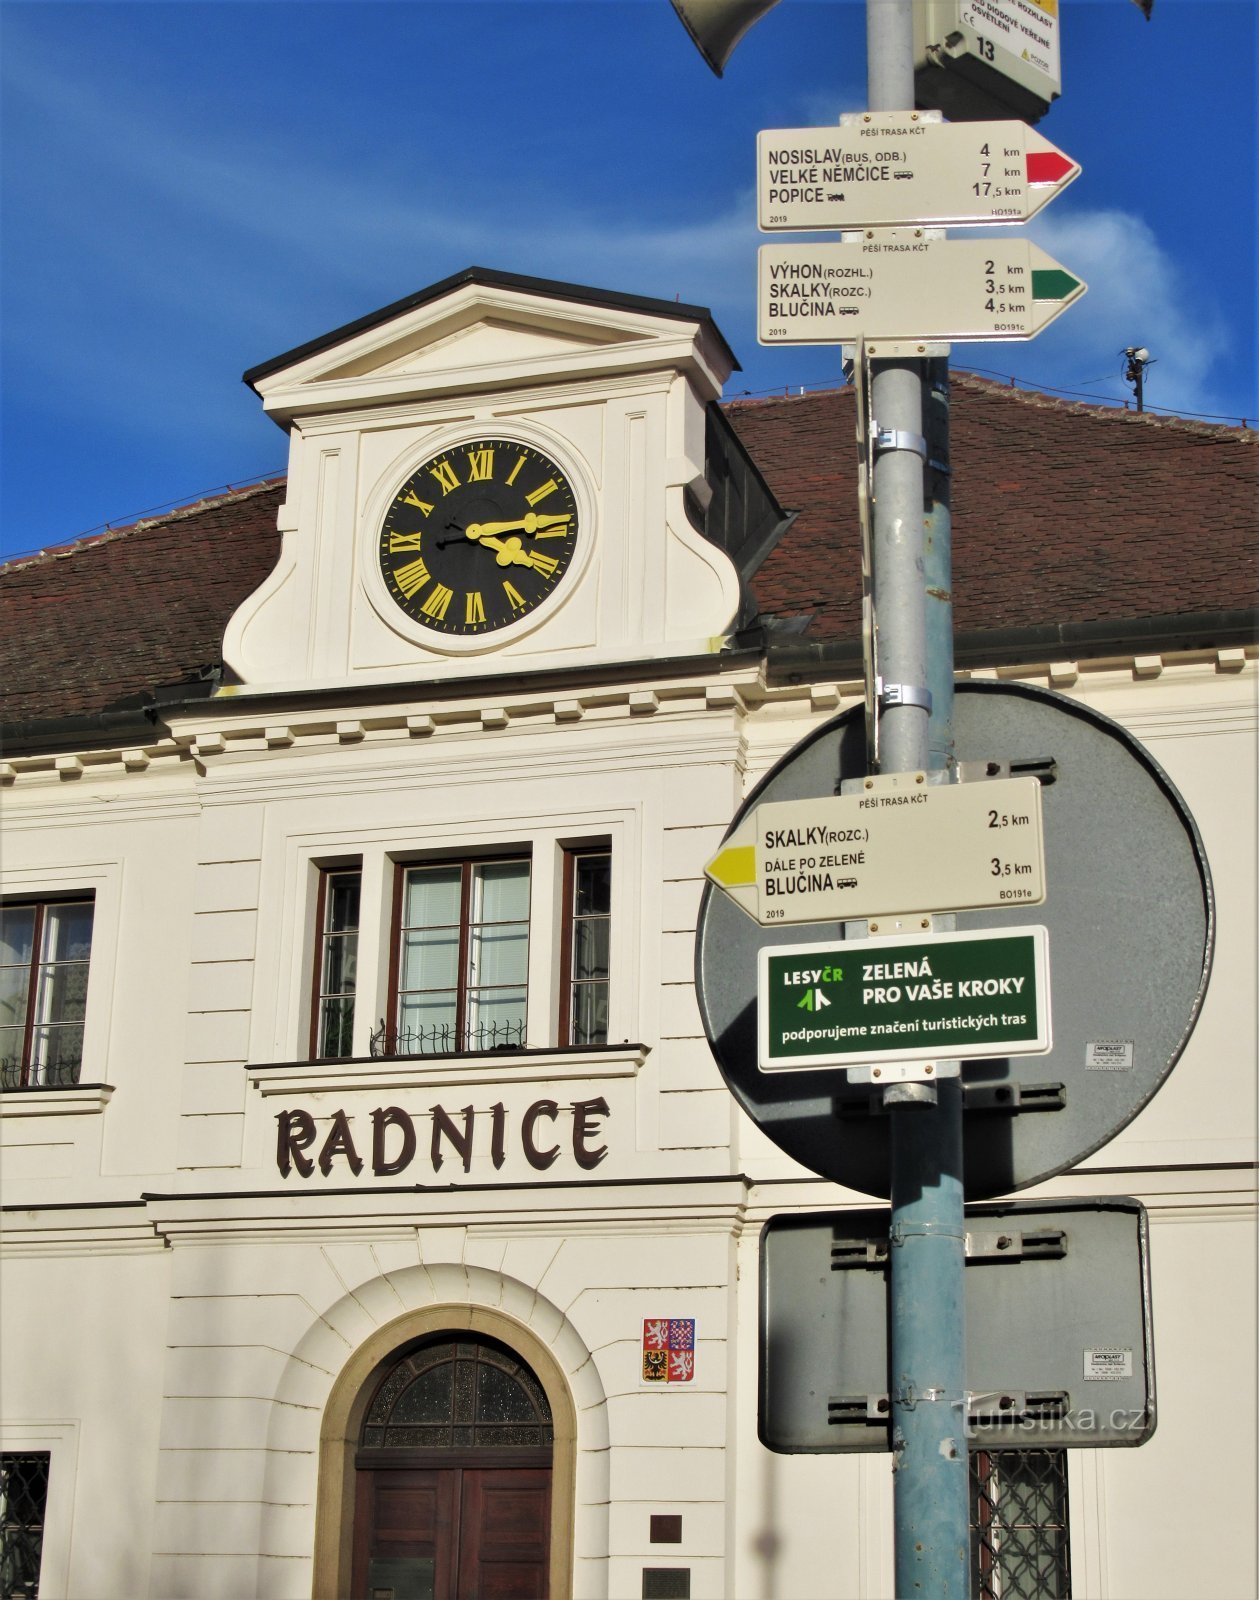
568 938
280 1028
11 1528
991 1476
319 965
467 864
60 1440
42 904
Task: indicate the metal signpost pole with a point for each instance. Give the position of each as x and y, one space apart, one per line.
931 1471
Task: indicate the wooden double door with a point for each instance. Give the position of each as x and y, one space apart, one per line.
472 1531
453 1476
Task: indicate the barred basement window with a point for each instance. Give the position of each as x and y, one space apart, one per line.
1019 1538
23 1500
44 950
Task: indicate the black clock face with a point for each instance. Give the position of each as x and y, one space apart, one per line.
478 537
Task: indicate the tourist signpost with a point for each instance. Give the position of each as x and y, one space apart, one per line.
898 285
894 293
902 844
878 170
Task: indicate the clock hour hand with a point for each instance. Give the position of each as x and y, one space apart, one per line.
530 523
512 553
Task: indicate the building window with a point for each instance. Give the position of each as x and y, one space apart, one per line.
44 951
23 1500
587 930
459 1393
461 958
1019 1530
333 1023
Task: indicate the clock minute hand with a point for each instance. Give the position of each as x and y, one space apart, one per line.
530 523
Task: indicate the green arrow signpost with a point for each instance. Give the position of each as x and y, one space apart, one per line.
895 285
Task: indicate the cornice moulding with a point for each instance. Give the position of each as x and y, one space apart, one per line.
268 725
593 366
83 1099
714 1204
422 1072
439 410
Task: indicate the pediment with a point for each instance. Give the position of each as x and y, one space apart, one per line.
480 331
484 338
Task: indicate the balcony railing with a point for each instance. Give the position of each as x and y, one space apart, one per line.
445 1039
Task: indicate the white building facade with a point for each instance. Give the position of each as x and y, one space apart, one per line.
394 1233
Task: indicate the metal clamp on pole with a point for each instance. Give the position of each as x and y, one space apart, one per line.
904 694
899 439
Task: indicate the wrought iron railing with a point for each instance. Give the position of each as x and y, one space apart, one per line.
62 1074
445 1039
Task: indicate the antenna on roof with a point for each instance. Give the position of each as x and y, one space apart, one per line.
1139 359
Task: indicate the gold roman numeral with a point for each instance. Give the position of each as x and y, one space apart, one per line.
541 492
445 475
514 598
556 528
546 565
410 498
480 465
511 476
437 603
474 610
412 577
403 541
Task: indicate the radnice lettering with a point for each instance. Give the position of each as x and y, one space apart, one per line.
390 1140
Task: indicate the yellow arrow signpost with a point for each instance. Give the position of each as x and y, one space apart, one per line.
901 845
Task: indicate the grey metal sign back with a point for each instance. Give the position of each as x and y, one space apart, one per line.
1130 919
1059 1335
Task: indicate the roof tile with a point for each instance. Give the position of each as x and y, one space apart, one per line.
1061 513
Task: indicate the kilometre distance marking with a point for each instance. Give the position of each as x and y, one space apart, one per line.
905 846
895 285
895 170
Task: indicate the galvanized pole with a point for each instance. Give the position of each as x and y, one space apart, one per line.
928 1336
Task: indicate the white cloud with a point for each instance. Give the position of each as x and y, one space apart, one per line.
1137 295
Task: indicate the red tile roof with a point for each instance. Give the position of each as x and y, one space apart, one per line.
1062 513
93 624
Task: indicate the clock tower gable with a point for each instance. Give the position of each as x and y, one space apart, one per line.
491 475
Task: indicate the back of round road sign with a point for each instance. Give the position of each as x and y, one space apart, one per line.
1131 923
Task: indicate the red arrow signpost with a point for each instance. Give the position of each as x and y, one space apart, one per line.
884 169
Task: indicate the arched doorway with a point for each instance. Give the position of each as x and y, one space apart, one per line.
452 1476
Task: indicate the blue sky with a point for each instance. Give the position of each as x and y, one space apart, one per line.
190 187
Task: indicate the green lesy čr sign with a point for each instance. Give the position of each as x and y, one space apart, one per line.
955 995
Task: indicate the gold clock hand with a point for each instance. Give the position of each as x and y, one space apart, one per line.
530 523
512 553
